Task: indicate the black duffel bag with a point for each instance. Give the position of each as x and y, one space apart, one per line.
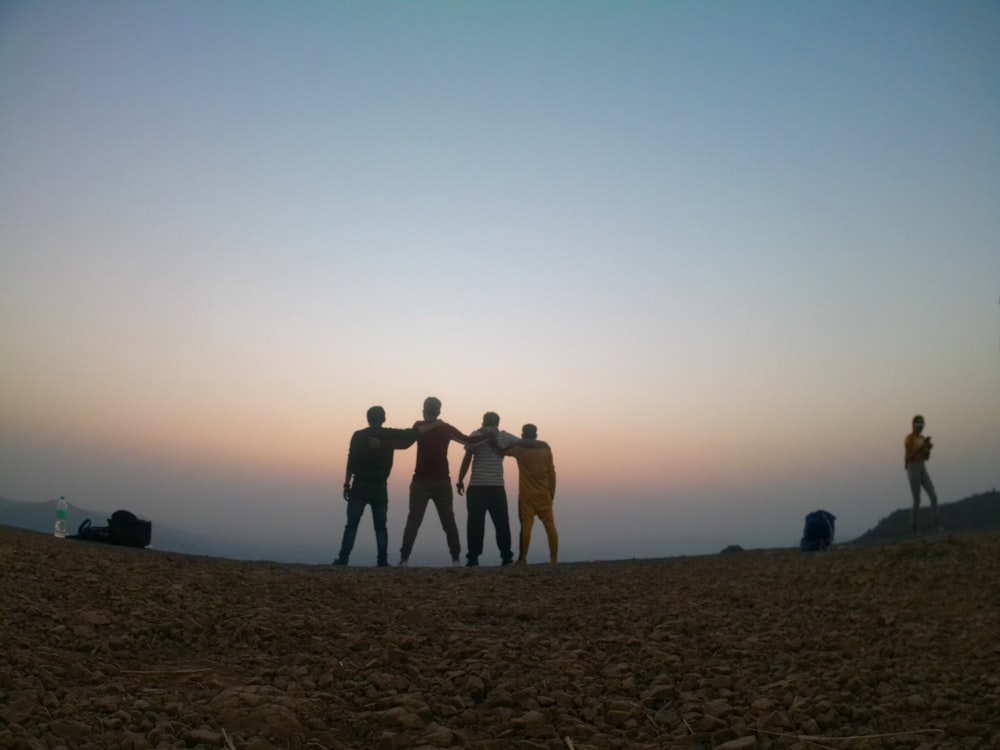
123 529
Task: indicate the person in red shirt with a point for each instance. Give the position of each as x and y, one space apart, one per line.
432 481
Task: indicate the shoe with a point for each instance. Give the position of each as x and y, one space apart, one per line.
456 563
506 562
472 564
383 563
340 561
403 563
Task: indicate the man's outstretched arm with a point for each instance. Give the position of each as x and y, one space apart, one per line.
396 439
460 437
521 443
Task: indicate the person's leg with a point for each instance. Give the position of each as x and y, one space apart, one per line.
520 527
527 515
443 501
928 485
913 472
501 523
549 522
419 495
380 513
475 526
355 509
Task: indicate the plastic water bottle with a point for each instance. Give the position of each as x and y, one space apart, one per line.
62 510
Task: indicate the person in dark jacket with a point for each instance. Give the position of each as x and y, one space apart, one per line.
369 462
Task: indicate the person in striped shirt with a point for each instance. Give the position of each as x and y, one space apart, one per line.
486 493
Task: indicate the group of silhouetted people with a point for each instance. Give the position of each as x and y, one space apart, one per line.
369 463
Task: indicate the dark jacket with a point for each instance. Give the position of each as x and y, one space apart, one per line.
372 465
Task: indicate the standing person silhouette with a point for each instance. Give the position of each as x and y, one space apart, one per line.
432 481
486 493
536 489
918 452
369 462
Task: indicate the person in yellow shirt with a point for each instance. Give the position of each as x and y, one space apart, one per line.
918 452
536 489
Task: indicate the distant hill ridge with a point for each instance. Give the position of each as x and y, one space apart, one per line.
975 513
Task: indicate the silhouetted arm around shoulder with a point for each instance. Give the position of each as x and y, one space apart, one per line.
425 427
395 439
461 437
521 443
389 437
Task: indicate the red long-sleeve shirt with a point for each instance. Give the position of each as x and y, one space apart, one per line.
432 451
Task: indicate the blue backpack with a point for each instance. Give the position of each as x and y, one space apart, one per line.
818 532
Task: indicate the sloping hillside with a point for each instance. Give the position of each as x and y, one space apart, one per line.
862 647
977 513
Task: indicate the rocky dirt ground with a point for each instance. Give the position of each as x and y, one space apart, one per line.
891 647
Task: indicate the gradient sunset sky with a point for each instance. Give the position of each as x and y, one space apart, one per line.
720 253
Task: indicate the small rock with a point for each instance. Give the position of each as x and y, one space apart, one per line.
19 711
916 702
532 720
618 718
70 730
403 717
203 737
718 708
108 703
438 736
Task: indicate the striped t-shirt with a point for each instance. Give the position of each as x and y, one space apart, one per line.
487 462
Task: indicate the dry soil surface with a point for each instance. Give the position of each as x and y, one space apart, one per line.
891 647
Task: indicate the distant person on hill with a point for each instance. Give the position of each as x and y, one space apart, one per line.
536 489
487 493
369 461
918 452
432 480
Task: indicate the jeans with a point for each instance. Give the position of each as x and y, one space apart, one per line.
480 500
438 491
917 472
376 496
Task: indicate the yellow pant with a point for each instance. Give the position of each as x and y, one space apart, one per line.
527 509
